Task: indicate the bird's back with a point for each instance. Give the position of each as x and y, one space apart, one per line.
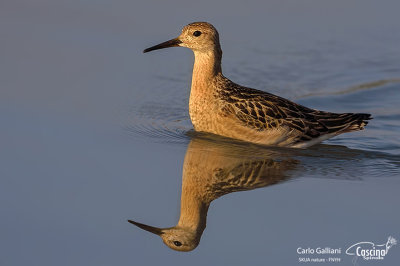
261 117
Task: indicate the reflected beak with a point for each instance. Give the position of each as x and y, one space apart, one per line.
148 228
171 43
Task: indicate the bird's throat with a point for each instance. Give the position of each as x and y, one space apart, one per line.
207 65
206 69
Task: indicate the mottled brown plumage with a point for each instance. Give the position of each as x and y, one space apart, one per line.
211 170
218 105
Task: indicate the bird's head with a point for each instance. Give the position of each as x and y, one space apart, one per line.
177 238
198 36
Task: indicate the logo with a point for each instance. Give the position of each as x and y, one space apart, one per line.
370 251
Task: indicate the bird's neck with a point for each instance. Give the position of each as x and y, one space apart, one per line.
193 211
207 66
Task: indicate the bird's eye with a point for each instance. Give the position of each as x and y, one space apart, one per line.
177 243
197 33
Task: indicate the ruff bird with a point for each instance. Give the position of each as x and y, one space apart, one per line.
219 106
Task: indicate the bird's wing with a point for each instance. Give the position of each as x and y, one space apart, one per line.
263 111
248 175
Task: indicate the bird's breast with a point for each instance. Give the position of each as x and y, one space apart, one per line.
202 112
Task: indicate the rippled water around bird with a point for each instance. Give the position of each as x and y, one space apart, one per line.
93 133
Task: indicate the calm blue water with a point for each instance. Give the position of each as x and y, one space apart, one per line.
93 132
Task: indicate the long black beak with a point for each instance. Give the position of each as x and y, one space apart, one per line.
148 228
171 43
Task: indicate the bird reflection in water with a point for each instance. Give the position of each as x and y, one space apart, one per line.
210 170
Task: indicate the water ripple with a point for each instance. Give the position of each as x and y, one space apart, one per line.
352 89
159 123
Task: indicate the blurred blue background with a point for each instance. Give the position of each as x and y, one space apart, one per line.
93 131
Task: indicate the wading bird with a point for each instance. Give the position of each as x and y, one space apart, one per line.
219 106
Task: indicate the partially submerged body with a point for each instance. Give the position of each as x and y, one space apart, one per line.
251 115
218 105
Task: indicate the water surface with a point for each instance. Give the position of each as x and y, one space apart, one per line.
93 132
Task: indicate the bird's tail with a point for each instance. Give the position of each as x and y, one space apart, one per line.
342 123
358 122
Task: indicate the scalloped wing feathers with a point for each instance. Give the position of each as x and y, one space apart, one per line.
264 111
